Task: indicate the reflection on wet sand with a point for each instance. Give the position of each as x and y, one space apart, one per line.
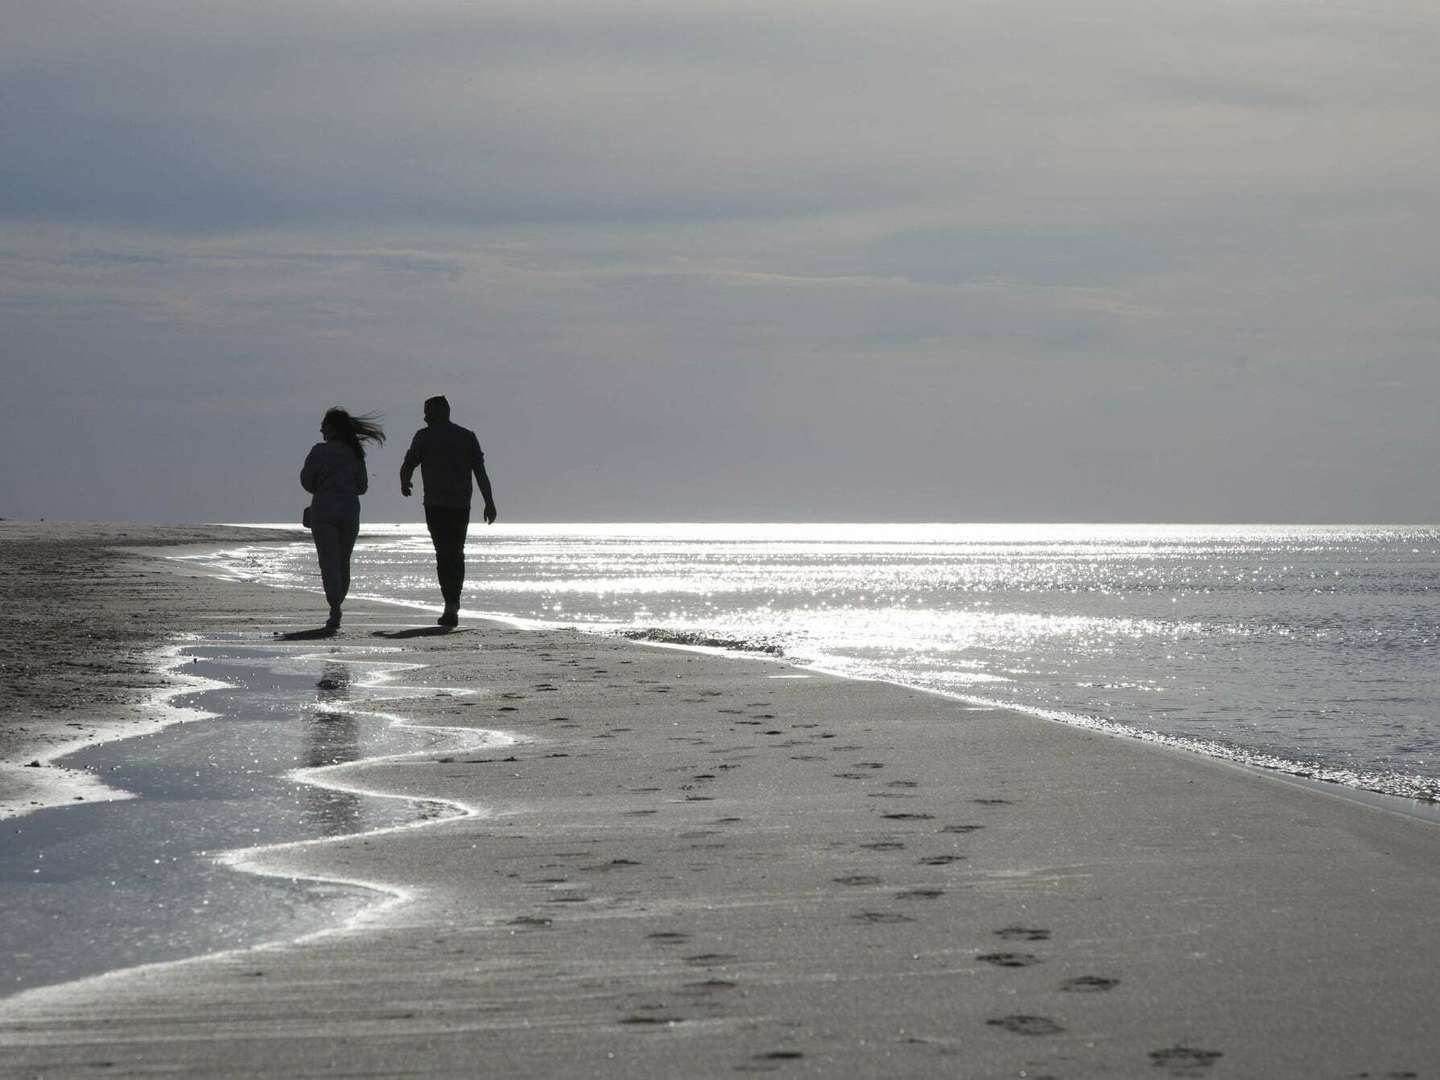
332 737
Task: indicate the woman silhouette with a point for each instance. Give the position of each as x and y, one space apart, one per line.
334 474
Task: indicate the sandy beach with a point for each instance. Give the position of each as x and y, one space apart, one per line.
692 865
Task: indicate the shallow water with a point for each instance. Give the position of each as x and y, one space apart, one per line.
1310 649
99 886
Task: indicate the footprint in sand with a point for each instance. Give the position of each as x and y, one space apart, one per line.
1089 984
710 959
1009 959
709 986
1021 1024
645 1018
920 894
1184 1060
857 879
1023 933
884 845
882 917
668 937
941 860
908 817
852 776
531 920
961 828
992 802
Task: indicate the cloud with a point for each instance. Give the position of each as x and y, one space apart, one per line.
224 116
727 259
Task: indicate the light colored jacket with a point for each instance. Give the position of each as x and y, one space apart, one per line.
336 479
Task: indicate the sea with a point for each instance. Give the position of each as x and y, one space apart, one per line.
1310 650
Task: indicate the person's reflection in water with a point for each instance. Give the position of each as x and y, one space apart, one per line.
332 736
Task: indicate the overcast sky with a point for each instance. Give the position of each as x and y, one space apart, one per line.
1135 260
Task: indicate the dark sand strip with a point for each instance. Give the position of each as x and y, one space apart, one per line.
697 869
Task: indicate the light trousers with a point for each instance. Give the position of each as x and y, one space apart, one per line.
334 541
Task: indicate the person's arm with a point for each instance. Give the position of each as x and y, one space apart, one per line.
482 481
310 471
408 466
362 485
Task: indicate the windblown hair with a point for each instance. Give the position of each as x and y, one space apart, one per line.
355 431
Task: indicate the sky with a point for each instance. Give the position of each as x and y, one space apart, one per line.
690 260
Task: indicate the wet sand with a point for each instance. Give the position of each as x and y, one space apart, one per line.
694 865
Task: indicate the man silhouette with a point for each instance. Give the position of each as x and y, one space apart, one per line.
448 455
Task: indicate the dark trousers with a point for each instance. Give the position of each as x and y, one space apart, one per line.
334 541
448 526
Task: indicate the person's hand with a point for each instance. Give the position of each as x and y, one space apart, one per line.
405 490
489 513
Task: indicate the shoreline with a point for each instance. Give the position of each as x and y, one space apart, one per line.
1398 788
677 881
152 877
1303 773
91 618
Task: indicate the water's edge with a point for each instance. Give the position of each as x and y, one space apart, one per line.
1330 779
148 876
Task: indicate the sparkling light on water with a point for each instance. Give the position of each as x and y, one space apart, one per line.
1305 648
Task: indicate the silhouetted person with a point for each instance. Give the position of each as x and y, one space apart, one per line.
334 474
448 455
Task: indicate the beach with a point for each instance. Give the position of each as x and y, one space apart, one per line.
693 865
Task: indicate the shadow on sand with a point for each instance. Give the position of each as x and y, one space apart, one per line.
306 635
417 631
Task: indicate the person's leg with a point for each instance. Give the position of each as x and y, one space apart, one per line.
459 529
448 526
347 534
439 536
327 551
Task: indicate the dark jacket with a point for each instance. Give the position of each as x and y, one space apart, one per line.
447 455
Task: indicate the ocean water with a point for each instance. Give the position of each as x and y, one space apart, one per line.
1309 649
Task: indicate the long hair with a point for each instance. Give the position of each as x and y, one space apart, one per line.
355 431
